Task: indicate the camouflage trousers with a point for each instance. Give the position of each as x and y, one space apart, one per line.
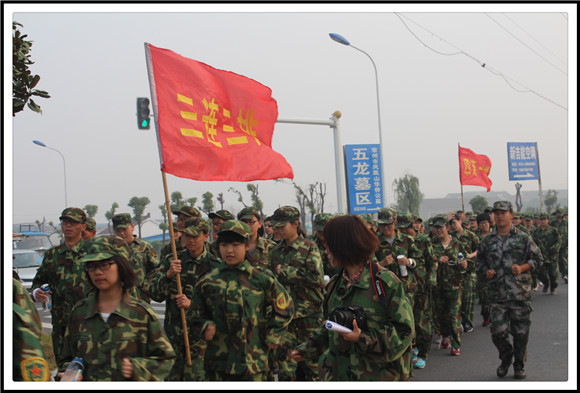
58 341
221 376
181 371
448 312
298 332
423 323
563 261
548 274
481 287
468 298
513 318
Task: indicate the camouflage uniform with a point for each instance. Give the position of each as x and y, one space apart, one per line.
510 295
184 212
164 290
449 286
68 281
562 227
549 242
382 353
224 215
260 253
301 273
319 221
29 360
470 243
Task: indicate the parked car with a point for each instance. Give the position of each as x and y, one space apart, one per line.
26 263
38 241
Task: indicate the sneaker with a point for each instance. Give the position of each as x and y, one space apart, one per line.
486 322
565 279
455 352
519 374
553 292
545 289
468 327
537 288
445 343
415 351
438 339
503 369
419 363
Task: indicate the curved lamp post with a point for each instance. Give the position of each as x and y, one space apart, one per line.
341 40
39 143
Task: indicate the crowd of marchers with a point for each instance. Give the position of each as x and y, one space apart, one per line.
362 299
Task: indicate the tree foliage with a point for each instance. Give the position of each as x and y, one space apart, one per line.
91 210
478 204
138 205
109 215
221 200
550 200
408 194
23 82
312 199
207 203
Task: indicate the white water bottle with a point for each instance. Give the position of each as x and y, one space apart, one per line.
460 259
73 371
402 268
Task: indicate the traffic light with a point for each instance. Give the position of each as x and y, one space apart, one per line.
143 112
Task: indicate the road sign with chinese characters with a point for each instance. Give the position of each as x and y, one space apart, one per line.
523 160
364 179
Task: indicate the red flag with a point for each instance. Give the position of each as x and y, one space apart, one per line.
474 169
212 124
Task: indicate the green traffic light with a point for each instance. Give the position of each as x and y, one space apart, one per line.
145 123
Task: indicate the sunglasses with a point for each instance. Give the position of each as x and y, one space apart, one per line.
102 266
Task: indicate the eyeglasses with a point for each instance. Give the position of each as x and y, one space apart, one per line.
102 266
249 222
68 221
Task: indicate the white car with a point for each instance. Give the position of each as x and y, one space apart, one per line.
26 263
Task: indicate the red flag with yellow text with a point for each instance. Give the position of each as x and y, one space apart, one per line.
474 168
212 124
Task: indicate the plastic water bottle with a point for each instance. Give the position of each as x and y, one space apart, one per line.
402 268
73 371
47 304
460 259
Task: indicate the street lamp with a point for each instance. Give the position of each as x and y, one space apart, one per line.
39 143
341 40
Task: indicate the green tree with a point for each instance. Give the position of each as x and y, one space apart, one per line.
221 200
207 202
240 197
408 194
550 200
255 197
91 210
192 201
56 229
40 224
176 201
164 226
138 205
23 82
478 203
109 215
312 199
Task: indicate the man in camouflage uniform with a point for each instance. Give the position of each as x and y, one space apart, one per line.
426 273
29 360
62 270
562 226
240 310
182 214
505 259
217 220
143 256
297 264
192 262
90 230
318 239
549 241
259 246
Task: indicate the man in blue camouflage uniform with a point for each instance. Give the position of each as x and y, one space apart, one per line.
506 259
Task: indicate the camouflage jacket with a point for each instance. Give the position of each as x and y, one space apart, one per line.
426 271
449 275
328 270
62 270
260 253
29 360
500 254
301 273
164 290
470 243
402 245
145 261
133 330
549 241
249 308
382 351
166 249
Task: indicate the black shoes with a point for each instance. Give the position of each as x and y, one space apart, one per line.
468 328
518 374
503 368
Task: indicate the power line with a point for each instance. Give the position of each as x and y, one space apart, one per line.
506 78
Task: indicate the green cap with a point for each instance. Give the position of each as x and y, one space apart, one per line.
91 224
404 220
440 220
195 226
543 215
121 220
75 214
235 226
105 247
223 214
285 214
188 211
368 218
502 205
247 213
387 215
320 220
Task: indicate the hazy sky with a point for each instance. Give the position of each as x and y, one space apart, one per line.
434 93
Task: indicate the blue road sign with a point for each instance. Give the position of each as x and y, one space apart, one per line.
523 160
364 180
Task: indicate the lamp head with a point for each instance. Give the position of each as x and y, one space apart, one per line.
39 143
338 38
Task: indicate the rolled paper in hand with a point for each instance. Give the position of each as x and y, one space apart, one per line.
336 327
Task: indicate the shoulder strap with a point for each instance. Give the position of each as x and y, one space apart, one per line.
377 283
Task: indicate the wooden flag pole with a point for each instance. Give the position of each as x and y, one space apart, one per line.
177 276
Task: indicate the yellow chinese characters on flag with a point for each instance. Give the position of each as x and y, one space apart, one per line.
474 168
212 124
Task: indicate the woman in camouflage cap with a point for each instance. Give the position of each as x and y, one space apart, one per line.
112 325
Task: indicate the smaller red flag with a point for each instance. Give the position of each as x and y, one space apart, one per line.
474 168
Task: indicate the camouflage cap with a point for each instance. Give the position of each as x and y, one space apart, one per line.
320 220
387 216
285 214
517 215
223 214
248 212
236 226
105 247
528 216
561 211
417 219
368 218
502 205
543 215
404 220
122 220
195 226
91 224
75 214
188 211
440 220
